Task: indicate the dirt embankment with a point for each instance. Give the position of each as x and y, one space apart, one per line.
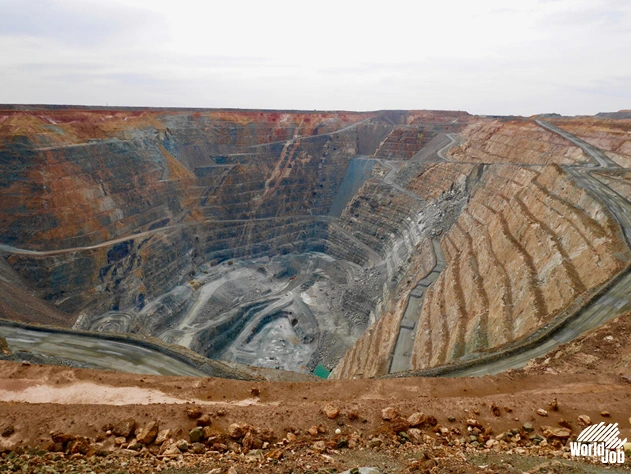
603 350
461 418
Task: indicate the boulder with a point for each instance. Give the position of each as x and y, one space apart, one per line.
196 434
171 450
375 442
584 420
193 412
124 428
331 411
238 430
162 436
63 438
399 424
552 432
148 433
474 423
266 435
198 448
415 435
55 447
416 419
78 446
389 414
204 420
251 441
220 447
135 446
319 446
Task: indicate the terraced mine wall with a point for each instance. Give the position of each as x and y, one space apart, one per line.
134 212
530 243
409 254
523 252
288 239
609 135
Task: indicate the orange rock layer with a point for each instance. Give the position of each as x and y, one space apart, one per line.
514 142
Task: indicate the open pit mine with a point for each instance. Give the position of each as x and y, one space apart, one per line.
240 242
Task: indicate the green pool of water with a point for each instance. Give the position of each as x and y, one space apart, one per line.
321 371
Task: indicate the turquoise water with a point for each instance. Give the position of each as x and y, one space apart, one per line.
321 371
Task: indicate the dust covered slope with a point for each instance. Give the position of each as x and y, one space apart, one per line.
107 421
601 350
20 302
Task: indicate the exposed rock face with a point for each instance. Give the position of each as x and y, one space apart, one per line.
101 176
124 428
19 301
611 136
138 214
402 142
530 241
437 179
527 245
416 129
248 236
380 338
407 248
514 142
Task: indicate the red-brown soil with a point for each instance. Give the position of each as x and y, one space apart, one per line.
40 400
603 350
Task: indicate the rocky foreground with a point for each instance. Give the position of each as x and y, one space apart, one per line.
57 419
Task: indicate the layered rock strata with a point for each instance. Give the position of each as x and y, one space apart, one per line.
611 136
409 254
529 242
280 239
127 219
514 142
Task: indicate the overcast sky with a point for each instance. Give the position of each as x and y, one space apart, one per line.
485 56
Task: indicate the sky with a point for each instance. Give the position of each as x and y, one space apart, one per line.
485 56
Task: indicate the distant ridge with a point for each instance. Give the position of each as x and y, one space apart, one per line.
621 114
